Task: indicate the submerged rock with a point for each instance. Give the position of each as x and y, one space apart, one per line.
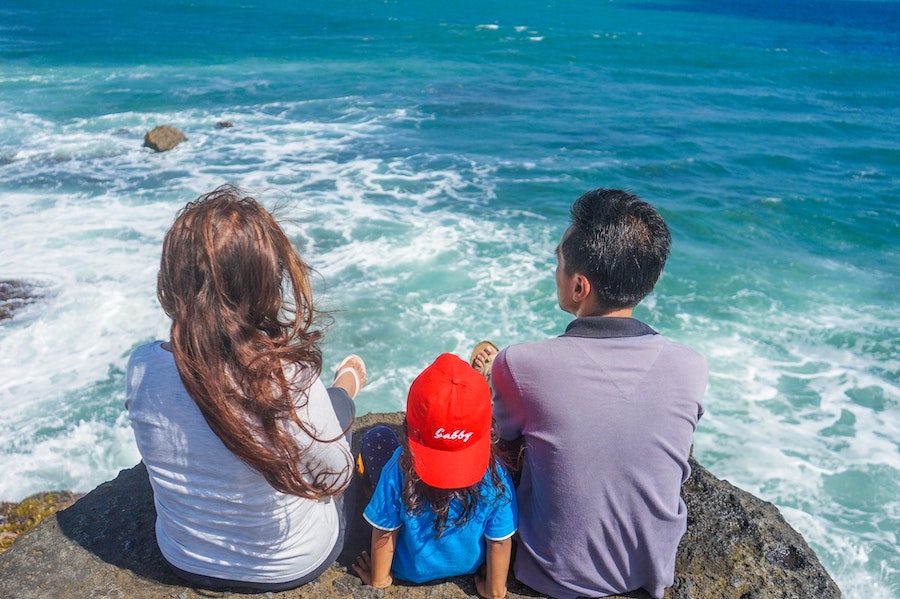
736 547
163 138
15 295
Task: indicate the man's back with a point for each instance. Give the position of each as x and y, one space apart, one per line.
608 411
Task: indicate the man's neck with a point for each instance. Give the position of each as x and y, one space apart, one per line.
584 310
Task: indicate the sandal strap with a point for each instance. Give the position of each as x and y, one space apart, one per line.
344 368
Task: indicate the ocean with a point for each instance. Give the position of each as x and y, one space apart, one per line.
423 157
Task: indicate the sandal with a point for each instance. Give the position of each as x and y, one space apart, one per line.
488 361
355 366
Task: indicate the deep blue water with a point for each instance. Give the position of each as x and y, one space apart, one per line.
424 157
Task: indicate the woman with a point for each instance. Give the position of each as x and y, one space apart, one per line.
247 451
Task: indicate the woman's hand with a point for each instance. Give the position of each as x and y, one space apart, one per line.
363 569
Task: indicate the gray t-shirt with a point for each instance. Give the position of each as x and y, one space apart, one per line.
607 411
216 516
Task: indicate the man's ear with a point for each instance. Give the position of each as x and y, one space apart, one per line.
581 288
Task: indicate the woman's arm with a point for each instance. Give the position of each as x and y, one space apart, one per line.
492 584
376 571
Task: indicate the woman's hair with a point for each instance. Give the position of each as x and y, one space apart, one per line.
418 496
241 305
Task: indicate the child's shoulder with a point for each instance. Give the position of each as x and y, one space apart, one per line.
391 469
495 486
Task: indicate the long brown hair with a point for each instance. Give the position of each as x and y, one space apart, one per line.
241 305
419 496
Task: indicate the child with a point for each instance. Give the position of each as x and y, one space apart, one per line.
443 505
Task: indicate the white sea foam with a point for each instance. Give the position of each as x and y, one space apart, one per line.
78 456
377 229
97 275
800 414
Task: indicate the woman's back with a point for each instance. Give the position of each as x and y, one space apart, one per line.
217 516
246 450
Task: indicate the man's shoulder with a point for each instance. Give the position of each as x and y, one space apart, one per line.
530 346
682 351
529 350
535 354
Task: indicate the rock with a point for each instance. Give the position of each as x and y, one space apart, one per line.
224 124
163 138
739 546
15 295
736 547
18 518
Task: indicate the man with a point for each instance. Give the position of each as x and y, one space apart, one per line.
606 412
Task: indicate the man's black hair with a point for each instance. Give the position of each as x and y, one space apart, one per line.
620 243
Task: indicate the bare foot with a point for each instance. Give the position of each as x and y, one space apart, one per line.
483 357
351 375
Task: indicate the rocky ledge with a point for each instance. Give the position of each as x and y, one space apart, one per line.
736 546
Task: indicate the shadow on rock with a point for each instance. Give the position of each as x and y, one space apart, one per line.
116 523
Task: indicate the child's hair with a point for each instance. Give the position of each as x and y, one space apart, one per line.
419 496
225 270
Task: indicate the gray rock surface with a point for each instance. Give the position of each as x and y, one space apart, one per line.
163 138
736 547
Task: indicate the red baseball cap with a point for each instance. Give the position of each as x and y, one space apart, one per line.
448 419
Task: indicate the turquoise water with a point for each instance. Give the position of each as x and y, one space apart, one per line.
424 157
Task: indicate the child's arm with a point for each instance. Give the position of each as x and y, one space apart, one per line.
376 571
492 584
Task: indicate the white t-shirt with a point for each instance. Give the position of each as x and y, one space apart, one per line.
216 516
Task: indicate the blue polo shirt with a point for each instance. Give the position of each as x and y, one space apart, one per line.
419 556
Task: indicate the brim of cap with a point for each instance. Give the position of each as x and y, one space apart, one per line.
452 469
